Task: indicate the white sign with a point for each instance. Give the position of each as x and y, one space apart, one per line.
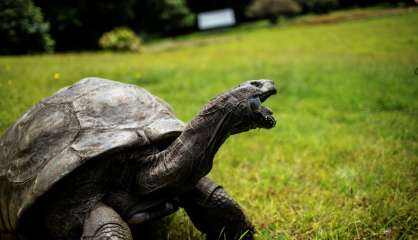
215 19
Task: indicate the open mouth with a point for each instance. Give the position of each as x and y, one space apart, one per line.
263 116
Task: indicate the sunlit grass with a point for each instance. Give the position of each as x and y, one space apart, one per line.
342 162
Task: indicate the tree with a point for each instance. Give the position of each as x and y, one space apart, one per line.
318 6
273 9
22 28
198 6
164 16
78 24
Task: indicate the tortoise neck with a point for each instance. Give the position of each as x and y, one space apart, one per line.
189 157
206 133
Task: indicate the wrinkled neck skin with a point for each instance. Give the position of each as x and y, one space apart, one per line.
204 136
189 157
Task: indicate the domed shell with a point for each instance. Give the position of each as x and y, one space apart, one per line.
63 131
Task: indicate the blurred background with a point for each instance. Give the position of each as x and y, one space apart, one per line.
29 26
342 162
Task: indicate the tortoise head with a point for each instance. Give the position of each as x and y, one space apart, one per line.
245 105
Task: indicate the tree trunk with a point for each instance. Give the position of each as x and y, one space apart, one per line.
274 19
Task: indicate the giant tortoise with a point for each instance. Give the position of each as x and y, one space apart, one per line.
99 158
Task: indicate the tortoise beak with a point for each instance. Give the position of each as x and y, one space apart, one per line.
268 89
263 115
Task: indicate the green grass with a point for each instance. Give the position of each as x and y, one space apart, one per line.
342 162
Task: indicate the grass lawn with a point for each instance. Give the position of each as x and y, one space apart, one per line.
342 162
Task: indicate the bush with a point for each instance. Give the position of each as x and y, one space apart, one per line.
272 9
120 39
22 28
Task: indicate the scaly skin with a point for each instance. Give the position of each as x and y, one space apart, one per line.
104 223
215 213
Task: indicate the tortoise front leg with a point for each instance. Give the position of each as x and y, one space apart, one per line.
104 223
215 213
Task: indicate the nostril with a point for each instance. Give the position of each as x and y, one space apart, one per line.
256 84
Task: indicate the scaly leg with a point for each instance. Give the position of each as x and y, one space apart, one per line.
215 213
103 223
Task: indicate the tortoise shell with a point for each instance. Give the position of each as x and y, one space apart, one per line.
63 131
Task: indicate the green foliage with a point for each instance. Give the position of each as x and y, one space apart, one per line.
165 16
272 9
90 19
120 39
341 162
87 20
22 28
176 15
